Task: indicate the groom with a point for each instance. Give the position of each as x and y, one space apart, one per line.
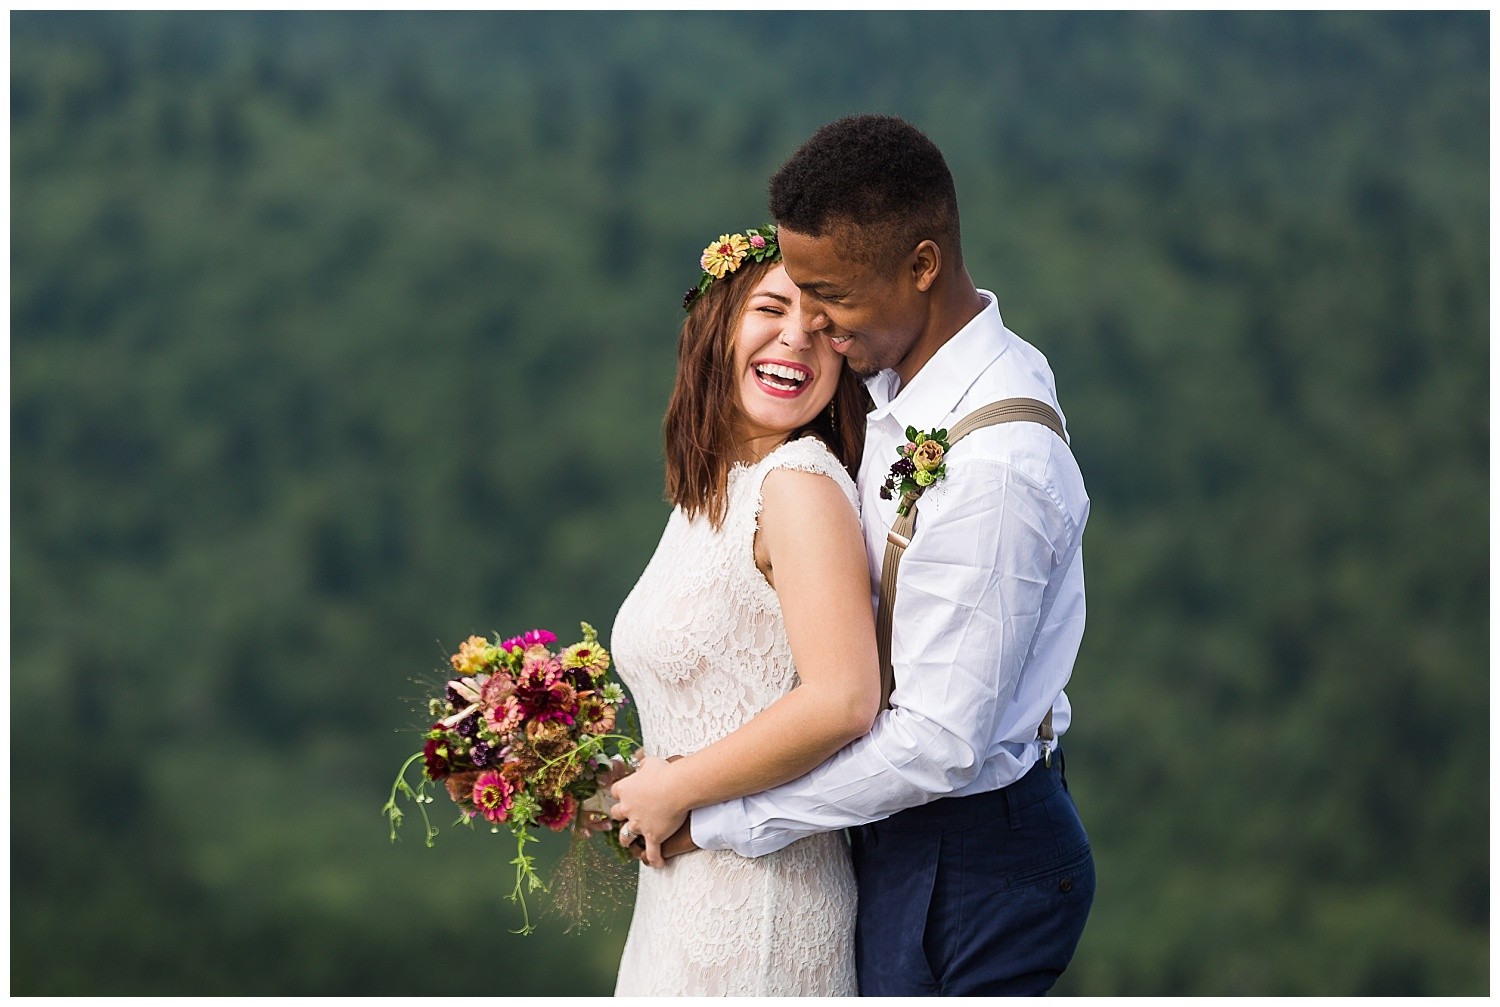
975 873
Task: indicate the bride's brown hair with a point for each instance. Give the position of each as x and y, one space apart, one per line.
700 421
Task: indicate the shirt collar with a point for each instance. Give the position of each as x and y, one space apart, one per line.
935 391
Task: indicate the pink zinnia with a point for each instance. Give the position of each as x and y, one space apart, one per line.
493 794
530 638
756 241
557 812
539 667
505 717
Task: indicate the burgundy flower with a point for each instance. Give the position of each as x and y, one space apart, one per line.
544 691
556 700
438 755
557 812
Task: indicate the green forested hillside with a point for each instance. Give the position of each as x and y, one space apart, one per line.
338 337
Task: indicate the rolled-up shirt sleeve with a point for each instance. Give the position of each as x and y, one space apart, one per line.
979 575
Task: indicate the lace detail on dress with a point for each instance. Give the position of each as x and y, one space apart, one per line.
701 643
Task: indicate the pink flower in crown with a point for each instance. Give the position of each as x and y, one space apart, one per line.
530 638
557 812
493 795
756 241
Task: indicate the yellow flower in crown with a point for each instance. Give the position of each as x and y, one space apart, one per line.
725 255
729 253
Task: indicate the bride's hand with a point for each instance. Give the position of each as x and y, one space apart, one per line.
648 801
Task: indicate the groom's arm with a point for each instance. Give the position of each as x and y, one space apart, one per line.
972 589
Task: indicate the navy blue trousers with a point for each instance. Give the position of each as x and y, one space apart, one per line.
980 895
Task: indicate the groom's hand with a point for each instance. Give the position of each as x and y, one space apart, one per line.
648 802
679 842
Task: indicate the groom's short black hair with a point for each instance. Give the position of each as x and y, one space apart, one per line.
879 174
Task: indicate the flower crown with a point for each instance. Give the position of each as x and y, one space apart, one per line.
728 253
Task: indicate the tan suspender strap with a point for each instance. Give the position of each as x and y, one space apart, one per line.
1008 411
899 537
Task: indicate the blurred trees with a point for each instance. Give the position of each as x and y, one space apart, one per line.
338 337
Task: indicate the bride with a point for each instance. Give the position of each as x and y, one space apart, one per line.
749 641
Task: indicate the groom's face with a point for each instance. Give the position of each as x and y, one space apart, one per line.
868 311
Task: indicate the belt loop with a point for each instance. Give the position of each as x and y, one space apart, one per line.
1011 817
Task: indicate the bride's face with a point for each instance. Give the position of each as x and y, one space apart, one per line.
783 376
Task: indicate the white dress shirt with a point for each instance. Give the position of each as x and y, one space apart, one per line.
989 603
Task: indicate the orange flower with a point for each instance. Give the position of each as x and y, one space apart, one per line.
473 655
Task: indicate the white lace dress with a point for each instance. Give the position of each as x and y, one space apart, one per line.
701 643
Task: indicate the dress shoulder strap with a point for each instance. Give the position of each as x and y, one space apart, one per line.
810 454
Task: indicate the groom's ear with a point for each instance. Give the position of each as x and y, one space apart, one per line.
926 263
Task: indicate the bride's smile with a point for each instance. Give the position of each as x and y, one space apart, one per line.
783 376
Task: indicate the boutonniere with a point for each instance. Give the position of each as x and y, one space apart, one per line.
920 465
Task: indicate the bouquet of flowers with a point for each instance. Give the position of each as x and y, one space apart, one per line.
523 737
